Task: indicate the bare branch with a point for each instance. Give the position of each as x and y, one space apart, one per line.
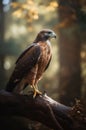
42 109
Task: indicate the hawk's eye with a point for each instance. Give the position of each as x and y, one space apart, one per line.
49 32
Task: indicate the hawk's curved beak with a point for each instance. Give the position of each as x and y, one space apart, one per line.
53 35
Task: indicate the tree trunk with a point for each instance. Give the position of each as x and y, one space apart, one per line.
69 52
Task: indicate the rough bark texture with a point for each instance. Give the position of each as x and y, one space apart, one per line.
42 109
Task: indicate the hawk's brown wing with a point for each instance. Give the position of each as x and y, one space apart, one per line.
24 64
48 63
23 53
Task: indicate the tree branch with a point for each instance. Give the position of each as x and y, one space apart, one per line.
42 109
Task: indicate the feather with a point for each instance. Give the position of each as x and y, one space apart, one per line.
25 63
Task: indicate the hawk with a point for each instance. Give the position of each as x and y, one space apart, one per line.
32 63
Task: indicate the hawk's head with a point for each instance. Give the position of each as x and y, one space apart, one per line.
45 34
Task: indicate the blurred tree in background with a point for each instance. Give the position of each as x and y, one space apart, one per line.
72 19
21 20
69 50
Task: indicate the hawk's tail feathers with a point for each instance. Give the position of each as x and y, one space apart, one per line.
11 85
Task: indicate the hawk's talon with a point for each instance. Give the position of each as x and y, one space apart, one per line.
34 95
36 91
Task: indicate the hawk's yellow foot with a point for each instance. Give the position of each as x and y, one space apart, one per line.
36 91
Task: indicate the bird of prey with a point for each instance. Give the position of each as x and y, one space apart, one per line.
32 63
